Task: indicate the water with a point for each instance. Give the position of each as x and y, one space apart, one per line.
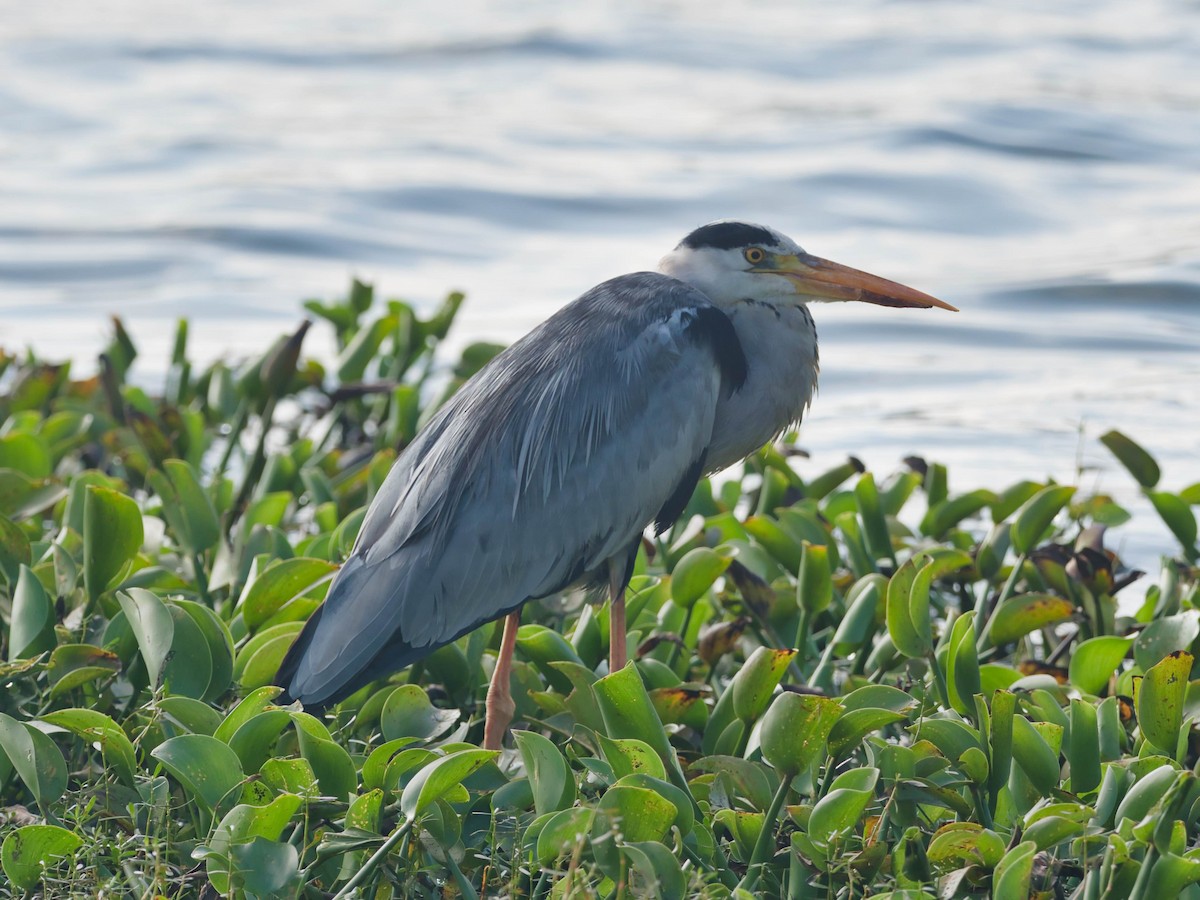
1036 166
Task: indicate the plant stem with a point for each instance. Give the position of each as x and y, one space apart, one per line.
766 837
939 678
1009 586
801 643
376 858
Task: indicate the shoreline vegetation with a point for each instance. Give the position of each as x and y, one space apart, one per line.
846 683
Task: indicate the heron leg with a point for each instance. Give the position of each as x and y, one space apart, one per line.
617 652
500 706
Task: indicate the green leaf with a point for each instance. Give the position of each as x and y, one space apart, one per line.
437 778
843 805
629 755
1084 750
1094 661
900 626
814 586
188 667
629 713
1165 635
1138 462
1013 873
657 871
1160 700
1179 518
548 772
220 646
32 631
14 550
152 625
27 852
206 768
72 665
1034 755
1036 515
756 681
36 759
333 766
640 814
112 535
94 726
875 527
279 584
854 725
1025 613
408 713
186 507
695 573
795 730
563 832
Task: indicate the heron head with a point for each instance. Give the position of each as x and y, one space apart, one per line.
732 261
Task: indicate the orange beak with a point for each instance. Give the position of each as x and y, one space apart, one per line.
821 278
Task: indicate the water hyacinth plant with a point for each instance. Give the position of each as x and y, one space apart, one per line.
845 684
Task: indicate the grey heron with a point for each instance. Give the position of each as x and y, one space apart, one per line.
544 470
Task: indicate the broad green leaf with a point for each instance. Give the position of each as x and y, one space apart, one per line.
695 573
207 768
756 681
220 646
188 667
247 708
548 772
965 843
32 631
629 755
14 550
95 726
1137 461
1020 615
855 724
279 584
1013 873
1160 700
153 627
408 713
563 832
333 766
640 814
843 805
72 665
629 713
440 776
900 626
186 507
1084 750
657 871
1179 518
1095 660
795 730
28 851
1036 515
1164 636
35 758
112 534
1034 755
814 586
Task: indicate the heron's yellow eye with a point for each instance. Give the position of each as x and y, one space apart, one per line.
754 255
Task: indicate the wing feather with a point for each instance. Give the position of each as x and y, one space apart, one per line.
552 460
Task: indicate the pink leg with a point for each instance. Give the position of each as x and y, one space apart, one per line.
500 706
617 653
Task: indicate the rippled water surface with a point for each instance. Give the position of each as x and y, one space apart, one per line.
1038 167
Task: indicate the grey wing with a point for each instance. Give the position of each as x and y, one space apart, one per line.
548 463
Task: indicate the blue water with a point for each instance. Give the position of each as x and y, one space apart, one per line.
1036 164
